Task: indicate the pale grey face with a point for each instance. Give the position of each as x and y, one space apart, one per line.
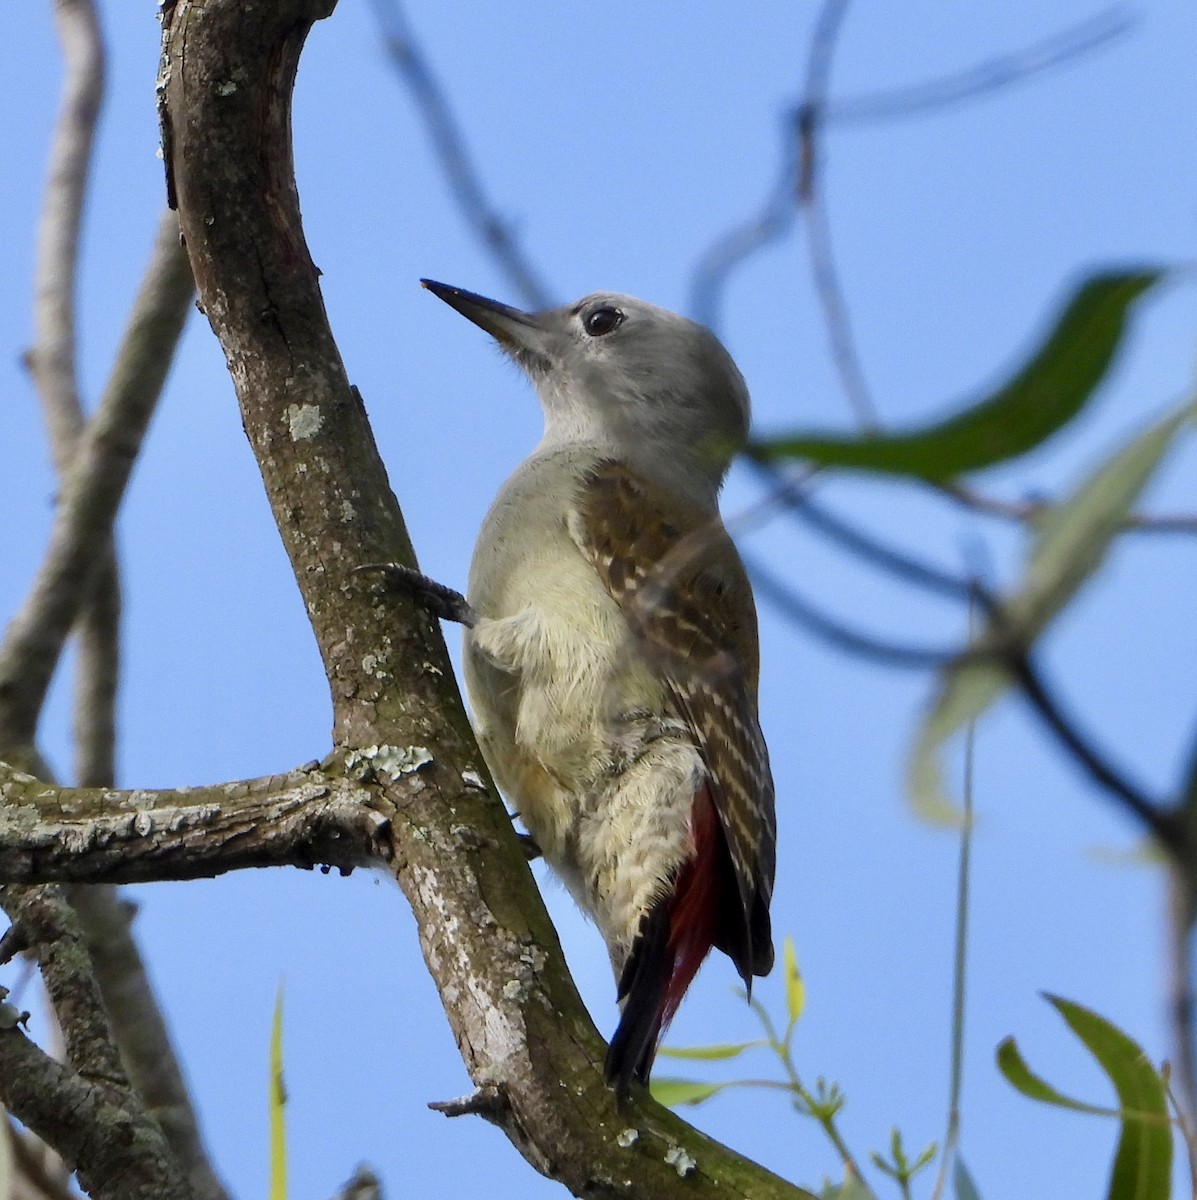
620 369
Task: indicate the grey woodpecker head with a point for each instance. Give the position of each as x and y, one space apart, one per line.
659 389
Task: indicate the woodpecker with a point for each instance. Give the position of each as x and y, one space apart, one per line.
611 655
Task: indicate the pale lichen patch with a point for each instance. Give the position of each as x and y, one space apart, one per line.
304 421
389 760
681 1160
627 1138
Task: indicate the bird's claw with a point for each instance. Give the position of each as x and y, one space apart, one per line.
438 599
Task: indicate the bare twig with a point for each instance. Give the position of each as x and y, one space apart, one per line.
39 1173
449 144
808 128
97 672
52 357
996 74
140 1030
1026 512
1162 823
93 492
731 249
796 499
43 922
839 635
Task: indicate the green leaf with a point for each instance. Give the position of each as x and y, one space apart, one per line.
709 1053
1143 1161
278 1105
962 1181
675 1092
1014 1067
795 988
1068 547
1047 392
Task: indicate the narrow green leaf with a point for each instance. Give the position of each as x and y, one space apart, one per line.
795 988
1143 1161
278 1105
962 1181
675 1092
709 1053
1067 549
1047 392
1014 1067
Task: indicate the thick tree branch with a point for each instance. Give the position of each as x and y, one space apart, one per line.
305 818
228 71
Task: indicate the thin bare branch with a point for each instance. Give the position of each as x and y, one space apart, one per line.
996 74
449 143
97 674
808 129
93 491
43 923
733 248
1027 512
1164 824
139 1029
98 1123
38 1172
52 357
839 635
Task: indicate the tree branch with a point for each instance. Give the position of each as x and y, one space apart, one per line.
305 818
228 73
51 360
92 493
86 1110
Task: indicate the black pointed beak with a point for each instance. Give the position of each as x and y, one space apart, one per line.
513 328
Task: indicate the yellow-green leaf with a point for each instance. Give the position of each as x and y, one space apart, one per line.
278 1105
709 1053
795 988
675 1092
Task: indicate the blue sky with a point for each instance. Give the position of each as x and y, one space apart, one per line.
620 141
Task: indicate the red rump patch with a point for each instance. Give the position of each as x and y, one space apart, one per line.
695 913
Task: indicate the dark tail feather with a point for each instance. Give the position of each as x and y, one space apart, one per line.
675 937
645 976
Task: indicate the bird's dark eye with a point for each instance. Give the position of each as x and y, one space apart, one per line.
602 320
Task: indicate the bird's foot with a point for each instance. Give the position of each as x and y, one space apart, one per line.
528 843
438 599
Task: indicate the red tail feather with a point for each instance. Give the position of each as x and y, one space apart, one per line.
696 907
675 936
